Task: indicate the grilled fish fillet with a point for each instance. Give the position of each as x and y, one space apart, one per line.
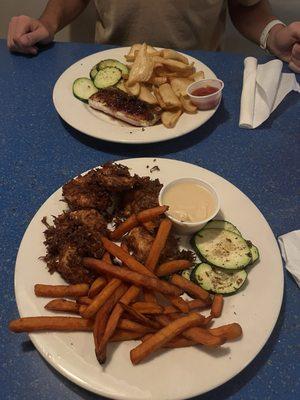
121 105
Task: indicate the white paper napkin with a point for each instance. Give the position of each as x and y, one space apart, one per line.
264 88
290 250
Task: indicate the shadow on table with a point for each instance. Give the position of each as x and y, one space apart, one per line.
158 149
223 392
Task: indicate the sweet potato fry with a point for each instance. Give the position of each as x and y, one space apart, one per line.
101 298
149 297
82 308
151 213
62 305
158 244
135 278
179 303
79 290
129 325
97 286
197 303
229 332
163 336
84 300
129 296
191 288
103 315
35 324
123 335
170 267
217 306
139 316
175 343
124 256
124 227
106 258
147 307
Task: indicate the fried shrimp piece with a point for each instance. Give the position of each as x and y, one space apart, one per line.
139 241
143 197
116 178
74 235
85 191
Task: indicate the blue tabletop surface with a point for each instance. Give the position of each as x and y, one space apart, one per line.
39 153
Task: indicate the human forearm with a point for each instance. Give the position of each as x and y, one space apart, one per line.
59 13
250 21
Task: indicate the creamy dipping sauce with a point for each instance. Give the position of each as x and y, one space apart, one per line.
189 201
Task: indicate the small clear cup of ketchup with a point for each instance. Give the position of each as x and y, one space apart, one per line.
206 94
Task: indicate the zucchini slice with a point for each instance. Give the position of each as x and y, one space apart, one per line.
186 273
222 248
113 63
254 251
106 77
94 71
83 88
221 224
216 280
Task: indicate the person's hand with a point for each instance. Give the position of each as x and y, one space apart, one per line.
25 32
284 42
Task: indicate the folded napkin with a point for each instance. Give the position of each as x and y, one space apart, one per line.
290 250
264 88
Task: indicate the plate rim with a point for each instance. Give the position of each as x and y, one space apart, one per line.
135 140
80 382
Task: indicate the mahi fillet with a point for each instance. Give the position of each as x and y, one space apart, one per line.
121 105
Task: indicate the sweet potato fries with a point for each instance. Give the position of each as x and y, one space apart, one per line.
131 302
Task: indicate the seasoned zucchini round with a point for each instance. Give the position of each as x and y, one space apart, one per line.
216 280
221 224
254 251
113 63
106 77
83 88
186 273
222 248
94 71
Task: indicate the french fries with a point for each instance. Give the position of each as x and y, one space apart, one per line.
169 72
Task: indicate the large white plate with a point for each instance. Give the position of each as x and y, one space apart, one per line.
101 126
175 374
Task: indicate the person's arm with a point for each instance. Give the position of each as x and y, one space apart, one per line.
283 41
25 32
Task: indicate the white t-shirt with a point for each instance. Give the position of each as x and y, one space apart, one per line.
184 24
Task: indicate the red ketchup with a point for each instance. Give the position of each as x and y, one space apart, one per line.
204 91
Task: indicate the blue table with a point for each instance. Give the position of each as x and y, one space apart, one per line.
39 152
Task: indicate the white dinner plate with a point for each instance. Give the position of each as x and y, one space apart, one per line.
178 373
101 126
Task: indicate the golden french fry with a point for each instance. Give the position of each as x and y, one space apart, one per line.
197 76
134 90
159 98
142 67
170 118
174 55
174 65
169 97
187 105
157 80
147 96
121 86
179 85
134 48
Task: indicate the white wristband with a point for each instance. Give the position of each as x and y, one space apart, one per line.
265 33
